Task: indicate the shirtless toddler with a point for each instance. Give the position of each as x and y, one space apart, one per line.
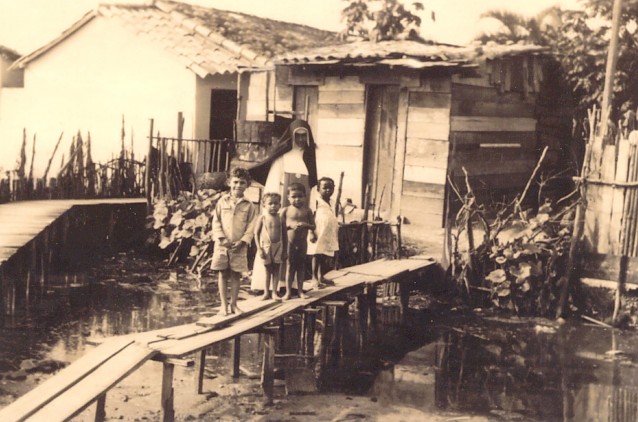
300 225
271 240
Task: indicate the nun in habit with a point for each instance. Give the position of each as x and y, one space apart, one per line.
292 160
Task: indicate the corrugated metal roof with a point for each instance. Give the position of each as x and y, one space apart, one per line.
413 54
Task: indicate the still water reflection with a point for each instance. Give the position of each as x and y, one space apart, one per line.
514 371
526 369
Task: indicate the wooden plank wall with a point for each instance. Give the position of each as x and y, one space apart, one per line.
340 132
493 126
258 96
426 152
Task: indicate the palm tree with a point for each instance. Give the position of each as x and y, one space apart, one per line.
517 28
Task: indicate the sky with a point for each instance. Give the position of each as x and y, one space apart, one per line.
28 24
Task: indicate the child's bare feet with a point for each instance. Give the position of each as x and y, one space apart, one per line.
223 312
236 310
302 295
286 296
265 296
327 282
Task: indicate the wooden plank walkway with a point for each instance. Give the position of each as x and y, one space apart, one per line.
21 221
87 380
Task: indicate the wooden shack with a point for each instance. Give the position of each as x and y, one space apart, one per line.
400 117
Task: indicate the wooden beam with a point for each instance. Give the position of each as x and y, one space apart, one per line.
168 409
492 124
201 369
268 367
100 412
236 356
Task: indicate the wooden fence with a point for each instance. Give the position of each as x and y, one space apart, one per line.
78 178
175 161
610 185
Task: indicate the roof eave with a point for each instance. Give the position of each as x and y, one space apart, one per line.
24 60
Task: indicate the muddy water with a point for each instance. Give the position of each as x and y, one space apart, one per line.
468 365
115 295
529 370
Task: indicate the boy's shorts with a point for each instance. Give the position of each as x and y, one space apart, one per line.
236 260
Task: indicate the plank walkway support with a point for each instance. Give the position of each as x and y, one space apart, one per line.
371 293
268 364
362 320
82 383
201 367
100 412
168 409
308 329
405 287
236 356
339 315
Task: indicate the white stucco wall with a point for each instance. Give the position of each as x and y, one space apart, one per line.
88 82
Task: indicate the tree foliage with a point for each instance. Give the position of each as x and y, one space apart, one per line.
518 28
380 20
582 44
580 41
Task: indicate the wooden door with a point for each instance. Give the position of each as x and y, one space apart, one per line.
223 112
382 106
306 96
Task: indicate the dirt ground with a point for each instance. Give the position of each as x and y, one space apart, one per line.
242 400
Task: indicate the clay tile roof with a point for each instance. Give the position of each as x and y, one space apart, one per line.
207 41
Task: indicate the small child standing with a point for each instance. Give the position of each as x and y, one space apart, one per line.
271 239
233 228
323 251
300 225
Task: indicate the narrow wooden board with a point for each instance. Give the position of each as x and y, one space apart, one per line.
341 97
341 111
607 267
25 406
435 176
492 124
605 207
469 140
618 200
427 153
479 93
428 115
429 130
179 348
491 108
81 395
248 307
429 100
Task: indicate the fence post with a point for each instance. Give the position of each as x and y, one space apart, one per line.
147 178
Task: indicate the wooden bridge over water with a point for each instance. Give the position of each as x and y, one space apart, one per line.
22 221
88 380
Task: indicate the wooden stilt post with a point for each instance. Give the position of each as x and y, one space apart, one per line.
371 293
147 176
100 412
404 294
281 333
268 366
362 319
168 411
200 369
302 333
236 356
